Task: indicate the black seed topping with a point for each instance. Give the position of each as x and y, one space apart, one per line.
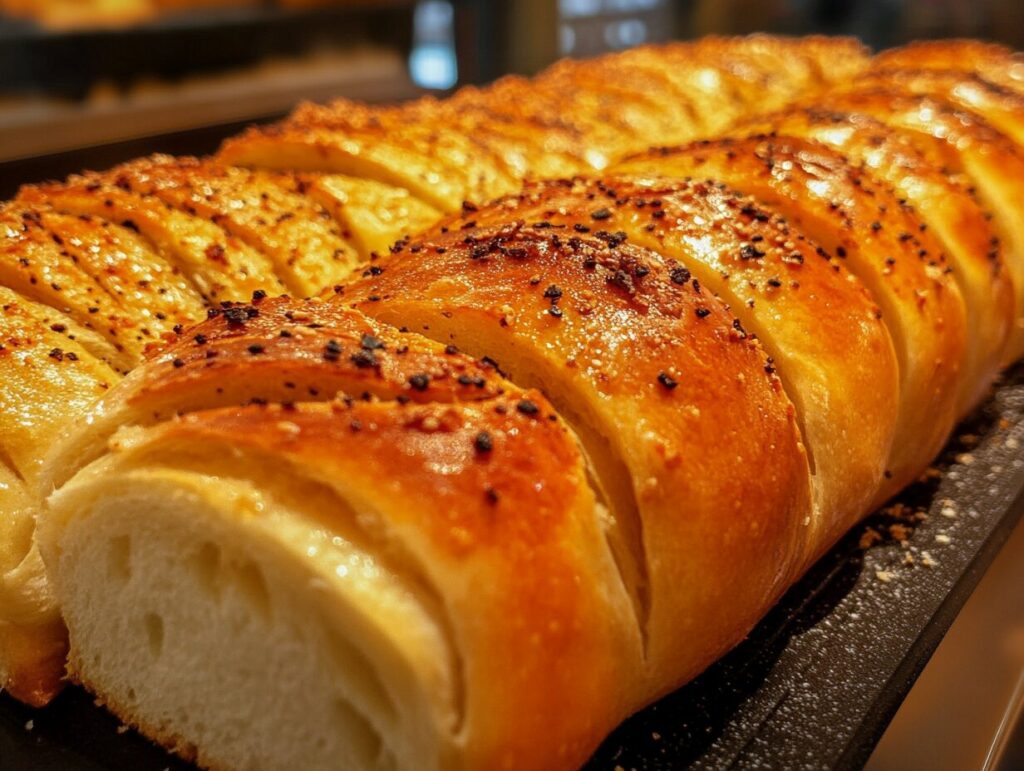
612 239
703 313
750 252
527 407
332 351
679 275
600 214
483 442
258 295
420 382
753 211
255 349
238 315
553 292
364 359
178 363
667 380
370 343
451 350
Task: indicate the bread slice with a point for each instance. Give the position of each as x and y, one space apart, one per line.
417 578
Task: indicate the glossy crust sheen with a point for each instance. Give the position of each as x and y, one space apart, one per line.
878 238
47 375
668 396
785 289
949 210
522 566
437 164
1000 106
267 211
131 255
219 265
960 142
995 63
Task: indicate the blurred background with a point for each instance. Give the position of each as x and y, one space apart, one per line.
104 74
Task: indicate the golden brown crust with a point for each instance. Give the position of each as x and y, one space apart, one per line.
797 298
524 147
993 62
961 143
267 211
42 268
435 163
47 375
275 351
695 342
34 658
508 533
950 210
1002 107
220 265
878 238
668 397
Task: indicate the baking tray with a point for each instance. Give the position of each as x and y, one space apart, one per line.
813 686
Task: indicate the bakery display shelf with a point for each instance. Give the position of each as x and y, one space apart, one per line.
69 64
250 15
813 686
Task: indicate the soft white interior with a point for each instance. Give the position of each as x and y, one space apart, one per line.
217 618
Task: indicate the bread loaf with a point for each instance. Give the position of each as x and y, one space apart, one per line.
543 459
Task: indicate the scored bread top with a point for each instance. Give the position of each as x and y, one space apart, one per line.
509 537
671 398
788 291
873 233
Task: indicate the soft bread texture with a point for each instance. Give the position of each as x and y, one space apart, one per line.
491 561
133 254
734 349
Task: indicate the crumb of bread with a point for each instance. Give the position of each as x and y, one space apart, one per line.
869 538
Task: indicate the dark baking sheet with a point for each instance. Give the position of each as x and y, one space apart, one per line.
813 686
